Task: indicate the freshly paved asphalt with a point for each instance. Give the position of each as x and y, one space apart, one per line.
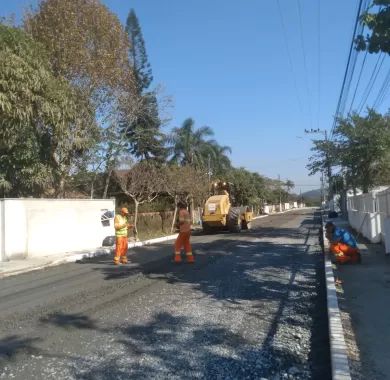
251 307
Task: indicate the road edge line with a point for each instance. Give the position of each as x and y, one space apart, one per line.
338 347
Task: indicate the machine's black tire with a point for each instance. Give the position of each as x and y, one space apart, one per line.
234 219
246 225
206 228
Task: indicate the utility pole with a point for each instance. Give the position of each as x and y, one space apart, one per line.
280 194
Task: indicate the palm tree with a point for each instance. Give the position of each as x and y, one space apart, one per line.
289 185
189 146
220 160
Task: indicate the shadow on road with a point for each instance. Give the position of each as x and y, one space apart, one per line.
11 345
284 275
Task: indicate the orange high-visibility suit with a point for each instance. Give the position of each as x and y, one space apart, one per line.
342 244
121 225
344 253
183 240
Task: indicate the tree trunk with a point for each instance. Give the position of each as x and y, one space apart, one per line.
60 191
92 188
107 183
192 210
136 203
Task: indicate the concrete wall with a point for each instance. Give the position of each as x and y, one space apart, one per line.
269 209
367 213
368 224
42 227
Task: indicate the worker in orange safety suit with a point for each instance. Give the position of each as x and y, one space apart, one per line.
183 240
122 226
342 244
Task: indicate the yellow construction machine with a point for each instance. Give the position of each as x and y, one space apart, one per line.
219 212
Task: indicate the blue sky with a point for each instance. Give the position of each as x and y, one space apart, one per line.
225 63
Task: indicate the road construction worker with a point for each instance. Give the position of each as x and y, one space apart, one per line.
342 244
122 226
183 240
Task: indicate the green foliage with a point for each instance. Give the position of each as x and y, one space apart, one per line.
363 144
289 185
249 188
361 147
45 125
190 146
137 53
325 156
378 23
85 41
142 125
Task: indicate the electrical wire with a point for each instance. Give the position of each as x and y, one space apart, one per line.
289 58
342 95
358 82
371 82
382 92
304 62
319 65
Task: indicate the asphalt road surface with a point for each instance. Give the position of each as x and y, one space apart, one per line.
251 307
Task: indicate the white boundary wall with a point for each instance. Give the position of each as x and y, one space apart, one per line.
44 227
367 213
270 209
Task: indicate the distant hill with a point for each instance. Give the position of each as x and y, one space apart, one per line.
312 196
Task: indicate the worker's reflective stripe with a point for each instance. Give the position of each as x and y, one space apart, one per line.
123 231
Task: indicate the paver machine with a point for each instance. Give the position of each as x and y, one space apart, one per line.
220 211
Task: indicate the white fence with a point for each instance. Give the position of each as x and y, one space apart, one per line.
369 214
270 209
43 227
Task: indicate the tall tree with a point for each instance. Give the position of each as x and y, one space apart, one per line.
143 131
364 145
85 41
45 125
289 185
137 53
195 147
361 147
88 46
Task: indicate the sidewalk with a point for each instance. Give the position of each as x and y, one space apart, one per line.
364 299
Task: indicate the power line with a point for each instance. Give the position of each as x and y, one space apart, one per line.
319 64
382 92
289 57
348 70
371 82
358 81
358 31
304 61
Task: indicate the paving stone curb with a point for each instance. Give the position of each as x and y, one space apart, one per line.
338 348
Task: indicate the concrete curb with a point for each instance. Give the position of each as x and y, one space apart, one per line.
260 217
338 348
69 258
106 251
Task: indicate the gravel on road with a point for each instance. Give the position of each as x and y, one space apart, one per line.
251 307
